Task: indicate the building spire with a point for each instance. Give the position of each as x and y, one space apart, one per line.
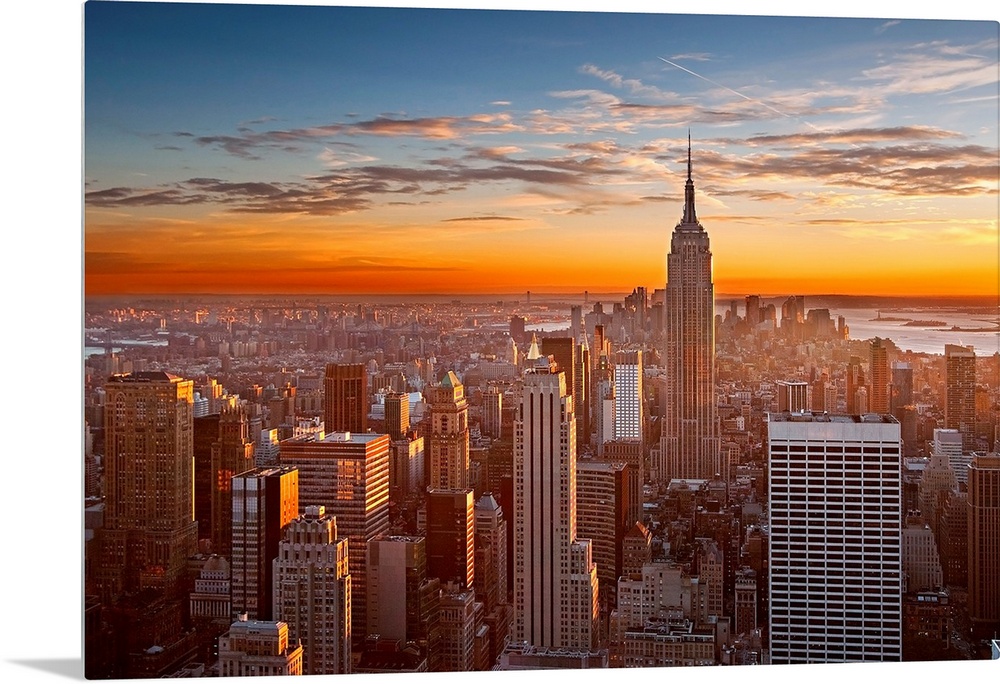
689 215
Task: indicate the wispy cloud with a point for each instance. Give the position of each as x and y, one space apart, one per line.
883 27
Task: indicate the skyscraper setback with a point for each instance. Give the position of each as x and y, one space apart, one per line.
690 443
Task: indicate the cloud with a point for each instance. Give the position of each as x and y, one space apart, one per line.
901 170
882 28
938 68
633 85
695 56
248 144
481 218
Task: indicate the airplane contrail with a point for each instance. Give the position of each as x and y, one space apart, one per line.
738 93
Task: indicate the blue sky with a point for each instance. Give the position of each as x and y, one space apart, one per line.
308 139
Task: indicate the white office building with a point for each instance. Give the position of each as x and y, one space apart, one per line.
835 552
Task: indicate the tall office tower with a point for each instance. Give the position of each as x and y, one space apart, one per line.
631 452
901 394
950 443
348 474
312 592
984 544
938 480
792 396
451 535
753 316
258 648
575 321
555 578
265 501
459 613
232 454
629 417
878 372
149 527
835 479
792 316
492 411
855 381
404 603
583 399
604 403
563 352
345 398
397 414
690 441
960 393
952 536
602 515
601 345
449 438
206 434
491 535
407 467
517 332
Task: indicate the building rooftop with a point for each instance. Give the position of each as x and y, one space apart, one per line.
809 417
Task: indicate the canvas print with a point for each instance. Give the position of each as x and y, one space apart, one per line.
426 340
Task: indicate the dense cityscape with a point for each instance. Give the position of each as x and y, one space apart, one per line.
424 340
282 485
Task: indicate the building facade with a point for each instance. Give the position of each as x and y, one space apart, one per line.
345 398
984 543
555 578
265 501
449 437
689 445
312 592
149 529
347 474
835 549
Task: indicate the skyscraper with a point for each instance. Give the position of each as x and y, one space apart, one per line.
555 578
451 530
602 495
878 371
449 438
265 501
854 382
835 555
960 391
690 443
628 410
397 414
984 543
232 454
149 528
348 474
345 398
404 603
312 592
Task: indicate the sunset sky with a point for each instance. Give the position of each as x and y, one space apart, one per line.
363 150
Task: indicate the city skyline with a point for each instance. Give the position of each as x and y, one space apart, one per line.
372 150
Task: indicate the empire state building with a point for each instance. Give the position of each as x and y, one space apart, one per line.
689 445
